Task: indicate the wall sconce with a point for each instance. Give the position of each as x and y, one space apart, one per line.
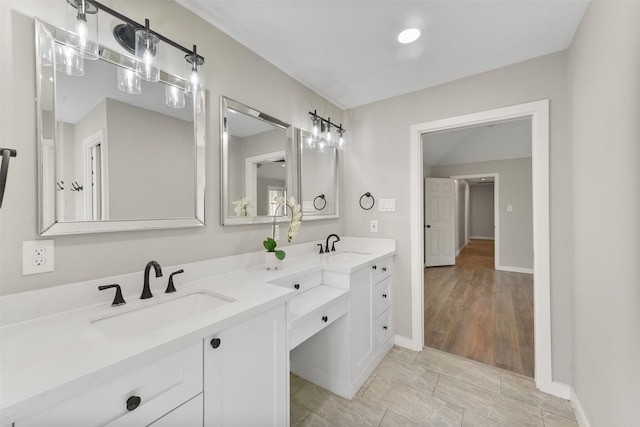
322 134
147 53
174 96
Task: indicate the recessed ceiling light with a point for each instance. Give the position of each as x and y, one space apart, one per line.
409 35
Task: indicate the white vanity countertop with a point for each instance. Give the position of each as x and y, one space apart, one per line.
49 359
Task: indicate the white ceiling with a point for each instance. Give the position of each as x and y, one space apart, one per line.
346 50
496 141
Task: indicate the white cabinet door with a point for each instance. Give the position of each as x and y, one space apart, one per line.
246 373
361 321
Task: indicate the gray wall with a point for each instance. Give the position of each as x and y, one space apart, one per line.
514 188
604 87
481 212
384 171
230 70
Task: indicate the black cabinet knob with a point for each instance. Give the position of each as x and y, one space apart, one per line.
133 402
384 327
215 343
375 267
384 268
384 295
297 286
325 319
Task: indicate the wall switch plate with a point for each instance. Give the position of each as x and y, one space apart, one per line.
37 257
373 225
387 205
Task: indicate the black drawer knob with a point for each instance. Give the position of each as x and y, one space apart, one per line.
384 295
133 402
384 268
375 267
384 327
297 286
215 343
325 319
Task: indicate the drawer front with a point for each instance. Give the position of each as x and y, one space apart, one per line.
161 385
382 269
188 414
304 282
382 297
316 323
384 328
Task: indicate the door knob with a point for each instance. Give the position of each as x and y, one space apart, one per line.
427 226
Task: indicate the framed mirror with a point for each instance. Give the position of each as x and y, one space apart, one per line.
258 164
319 189
114 153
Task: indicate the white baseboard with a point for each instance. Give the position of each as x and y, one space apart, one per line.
458 251
481 238
407 343
515 269
581 417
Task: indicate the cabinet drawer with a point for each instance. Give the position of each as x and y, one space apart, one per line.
382 296
316 321
188 414
381 269
384 328
303 283
161 385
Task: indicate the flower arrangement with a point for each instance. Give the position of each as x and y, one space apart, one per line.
241 206
296 219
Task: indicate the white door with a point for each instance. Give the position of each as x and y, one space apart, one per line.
439 222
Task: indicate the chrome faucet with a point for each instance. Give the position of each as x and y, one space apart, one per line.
146 292
333 246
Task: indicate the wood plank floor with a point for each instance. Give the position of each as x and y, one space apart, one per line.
481 314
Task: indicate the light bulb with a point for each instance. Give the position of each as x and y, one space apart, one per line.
316 130
341 142
82 30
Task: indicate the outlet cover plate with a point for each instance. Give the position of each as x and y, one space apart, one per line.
387 205
37 256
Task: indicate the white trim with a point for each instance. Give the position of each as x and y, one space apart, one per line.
459 250
538 111
405 342
514 269
482 238
581 416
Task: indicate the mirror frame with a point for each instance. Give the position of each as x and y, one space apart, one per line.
291 187
301 134
54 227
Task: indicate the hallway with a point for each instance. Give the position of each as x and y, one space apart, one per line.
481 314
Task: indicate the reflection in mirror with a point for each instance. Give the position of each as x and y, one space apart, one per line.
116 152
318 178
255 166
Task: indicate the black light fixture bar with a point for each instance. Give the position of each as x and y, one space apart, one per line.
130 21
328 121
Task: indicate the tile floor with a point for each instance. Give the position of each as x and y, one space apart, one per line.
431 388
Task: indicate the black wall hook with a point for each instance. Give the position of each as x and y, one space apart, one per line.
76 187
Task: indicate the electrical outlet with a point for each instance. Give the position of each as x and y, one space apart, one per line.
373 225
37 257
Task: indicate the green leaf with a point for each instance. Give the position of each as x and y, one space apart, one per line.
280 255
269 244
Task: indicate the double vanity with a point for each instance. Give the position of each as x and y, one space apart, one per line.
218 351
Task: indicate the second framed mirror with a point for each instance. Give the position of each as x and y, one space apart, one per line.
258 164
319 186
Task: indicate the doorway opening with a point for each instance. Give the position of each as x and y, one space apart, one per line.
538 111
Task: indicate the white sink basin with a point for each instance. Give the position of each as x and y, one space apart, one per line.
345 257
140 320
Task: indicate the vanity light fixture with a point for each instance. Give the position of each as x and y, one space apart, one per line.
128 82
82 29
138 39
68 61
322 134
174 96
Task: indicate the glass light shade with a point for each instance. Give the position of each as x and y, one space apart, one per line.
174 96
68 60
147 53
82 29
129 82
195 77
46 48
341 143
